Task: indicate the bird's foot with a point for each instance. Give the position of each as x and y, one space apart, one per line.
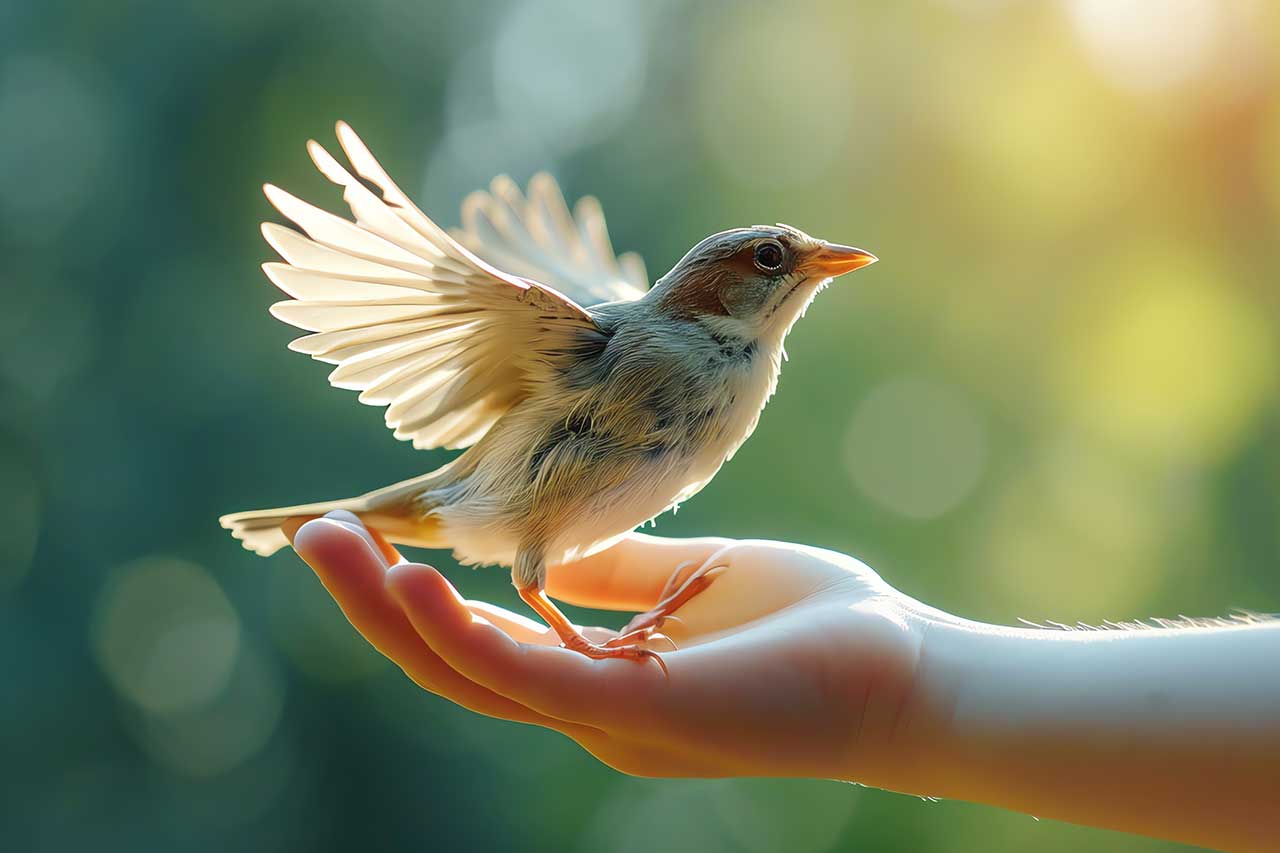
630 651
675 595
571 637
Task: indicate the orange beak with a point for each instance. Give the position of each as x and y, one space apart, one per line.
831 259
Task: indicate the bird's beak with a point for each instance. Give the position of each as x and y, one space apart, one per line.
831 259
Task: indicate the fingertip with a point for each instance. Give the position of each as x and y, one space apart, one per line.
356 524
419 587
329 543
400 577
344 515
311 534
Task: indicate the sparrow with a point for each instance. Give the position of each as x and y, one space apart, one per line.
588 402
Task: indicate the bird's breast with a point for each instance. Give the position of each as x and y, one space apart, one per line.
706 414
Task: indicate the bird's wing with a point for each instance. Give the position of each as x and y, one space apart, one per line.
413 320
536 236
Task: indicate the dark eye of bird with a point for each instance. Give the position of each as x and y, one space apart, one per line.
769 256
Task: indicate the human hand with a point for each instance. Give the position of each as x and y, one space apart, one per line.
794 662
803 662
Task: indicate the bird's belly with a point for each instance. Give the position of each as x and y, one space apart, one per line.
663 484
483 529
480 533
609 516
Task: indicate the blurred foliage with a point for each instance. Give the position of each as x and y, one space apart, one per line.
1055 398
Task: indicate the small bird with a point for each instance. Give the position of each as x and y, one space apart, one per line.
588 402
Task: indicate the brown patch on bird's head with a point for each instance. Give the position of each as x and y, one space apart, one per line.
705 279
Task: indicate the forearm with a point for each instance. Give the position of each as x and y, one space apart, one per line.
1172 733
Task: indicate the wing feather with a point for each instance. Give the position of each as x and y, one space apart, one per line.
309 255
410 318
537 237
344 236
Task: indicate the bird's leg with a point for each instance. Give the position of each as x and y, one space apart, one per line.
572 638
644 624
530 585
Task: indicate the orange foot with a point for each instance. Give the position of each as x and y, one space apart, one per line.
572 638
643 625
630 651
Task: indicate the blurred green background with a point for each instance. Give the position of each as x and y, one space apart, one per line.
1055 397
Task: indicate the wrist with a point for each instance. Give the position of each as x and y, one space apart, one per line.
895 719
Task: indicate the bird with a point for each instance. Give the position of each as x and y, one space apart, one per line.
588 403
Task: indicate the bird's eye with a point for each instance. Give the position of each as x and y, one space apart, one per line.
769 256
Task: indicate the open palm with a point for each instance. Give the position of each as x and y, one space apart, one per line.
794 662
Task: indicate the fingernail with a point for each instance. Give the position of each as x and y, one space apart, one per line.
344 515
363 532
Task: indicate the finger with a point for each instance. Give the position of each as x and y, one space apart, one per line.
522 628
525 630
553 681
389 552
629 575
354 574
393 557
519 628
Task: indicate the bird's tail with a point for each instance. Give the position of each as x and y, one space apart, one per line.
394 512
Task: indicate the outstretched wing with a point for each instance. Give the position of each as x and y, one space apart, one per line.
536 236
413 320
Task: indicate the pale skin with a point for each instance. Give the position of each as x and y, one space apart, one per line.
796 661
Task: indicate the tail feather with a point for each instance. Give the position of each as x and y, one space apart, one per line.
261 531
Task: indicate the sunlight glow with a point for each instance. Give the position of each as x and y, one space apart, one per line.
916 447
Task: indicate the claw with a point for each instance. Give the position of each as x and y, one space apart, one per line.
669 604
674 647
629 638
661 664
673 581
583 646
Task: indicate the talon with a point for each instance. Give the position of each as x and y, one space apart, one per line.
694 584
629 638
674 646
661 664
583 646
674 582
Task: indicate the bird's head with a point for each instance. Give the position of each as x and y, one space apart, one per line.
754 283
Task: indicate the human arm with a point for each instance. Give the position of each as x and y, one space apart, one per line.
802 662
1170 732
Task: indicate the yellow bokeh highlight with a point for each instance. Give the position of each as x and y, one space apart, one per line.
1027 137
1168 362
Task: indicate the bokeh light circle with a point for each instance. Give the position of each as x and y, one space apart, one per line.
1141 49
1172 364
916 447
165 635
565 73
211 739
